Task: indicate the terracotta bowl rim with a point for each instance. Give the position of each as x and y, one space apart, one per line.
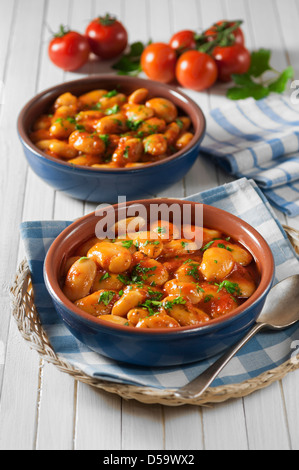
267 276
198 135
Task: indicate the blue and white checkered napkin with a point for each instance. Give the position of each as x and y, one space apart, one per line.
266 351
259 140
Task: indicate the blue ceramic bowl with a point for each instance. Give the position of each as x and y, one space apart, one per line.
163 347
92 184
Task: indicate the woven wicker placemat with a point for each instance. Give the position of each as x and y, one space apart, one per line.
30 327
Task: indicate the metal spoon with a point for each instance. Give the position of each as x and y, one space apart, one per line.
280 311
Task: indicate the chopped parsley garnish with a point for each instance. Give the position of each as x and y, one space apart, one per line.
231 287
83 258
127 243
221 245
204 248
152 128
155 295
180 123
105 276
126 152
71 119
141 273
152 306
124 279
105 138
112 110
199 289
208 298
147 145
133 125
193 271
106 297
188 261
170 303
110 94
161 229
151 242
96 107
80 128
118 122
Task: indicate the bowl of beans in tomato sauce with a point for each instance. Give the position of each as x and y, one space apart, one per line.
103 136
154 292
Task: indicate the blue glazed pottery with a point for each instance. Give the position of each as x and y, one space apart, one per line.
159 347
105 185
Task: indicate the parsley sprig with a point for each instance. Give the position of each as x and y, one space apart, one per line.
256 82
129 63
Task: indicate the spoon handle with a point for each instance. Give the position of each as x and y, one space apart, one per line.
197 386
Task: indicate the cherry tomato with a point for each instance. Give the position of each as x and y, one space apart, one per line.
222 25
68 50
183 40
107 37
196 70
231 60
158 62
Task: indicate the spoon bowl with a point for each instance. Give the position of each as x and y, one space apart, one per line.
280 311
281 308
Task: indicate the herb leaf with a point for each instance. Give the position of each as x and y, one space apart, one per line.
105 276
129 64
141 273
83 258
115 109
252 84
230 287
170 303
204 248
279 85
260 62
106 297
127 243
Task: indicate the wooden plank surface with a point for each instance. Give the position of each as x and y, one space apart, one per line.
40 407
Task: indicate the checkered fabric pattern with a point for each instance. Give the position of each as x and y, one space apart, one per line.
259 140
266 351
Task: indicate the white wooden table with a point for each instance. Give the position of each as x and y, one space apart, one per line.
40 407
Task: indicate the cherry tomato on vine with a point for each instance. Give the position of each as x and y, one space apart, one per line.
107 37
68 50
183 40
196 70
231 60
158 62
222 26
